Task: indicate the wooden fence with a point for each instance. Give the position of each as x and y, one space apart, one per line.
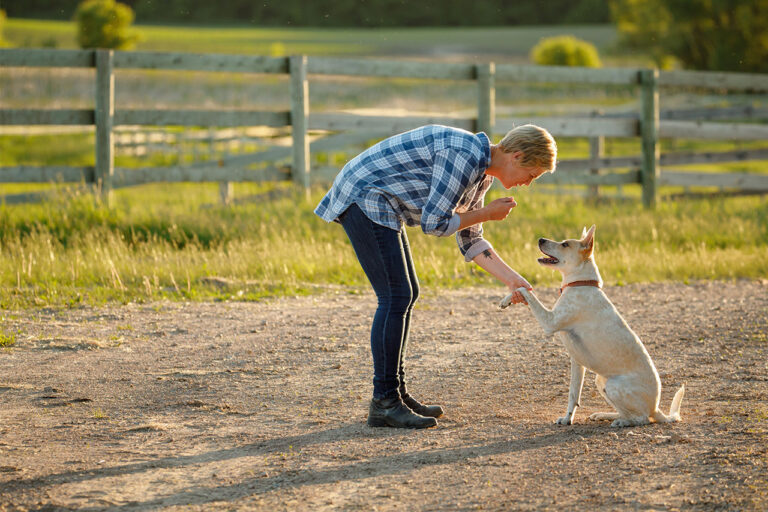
647 125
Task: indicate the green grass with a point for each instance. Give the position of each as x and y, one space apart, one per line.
502 42
167 241
7 339
171 241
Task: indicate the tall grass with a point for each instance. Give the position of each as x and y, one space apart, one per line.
72 250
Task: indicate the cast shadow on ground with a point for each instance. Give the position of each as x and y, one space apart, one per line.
372 467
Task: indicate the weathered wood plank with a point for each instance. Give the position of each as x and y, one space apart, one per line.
300 120
105 114
390 124
37 116
390 68
666 159
586 178
575 127
742 181
486 98
649 133
29 197
43 58
615 162
324 174
243 160
717 131
753 82
201 62
714 157
48 174
125 177
709 113
566 74
343 140
202 117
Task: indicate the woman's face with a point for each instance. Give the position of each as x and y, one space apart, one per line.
506 167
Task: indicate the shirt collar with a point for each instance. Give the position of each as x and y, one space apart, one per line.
485 160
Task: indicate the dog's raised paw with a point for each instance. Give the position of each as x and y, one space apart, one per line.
506 301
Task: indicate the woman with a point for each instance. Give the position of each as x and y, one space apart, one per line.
435 177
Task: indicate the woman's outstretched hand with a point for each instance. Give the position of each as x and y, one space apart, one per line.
498 209
518 281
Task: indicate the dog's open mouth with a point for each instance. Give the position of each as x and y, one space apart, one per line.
549 260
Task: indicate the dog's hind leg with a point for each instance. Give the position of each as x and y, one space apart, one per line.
600 383
574 392
627 395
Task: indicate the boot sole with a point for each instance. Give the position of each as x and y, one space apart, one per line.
379 422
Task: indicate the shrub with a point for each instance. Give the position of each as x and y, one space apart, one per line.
565 51
104 24
3 42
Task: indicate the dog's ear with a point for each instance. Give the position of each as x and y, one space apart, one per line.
583 232
588 241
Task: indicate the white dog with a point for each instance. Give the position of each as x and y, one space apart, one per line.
598 338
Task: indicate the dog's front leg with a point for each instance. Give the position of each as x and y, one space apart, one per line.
574 393
546 318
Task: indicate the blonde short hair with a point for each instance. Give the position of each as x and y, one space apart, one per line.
537 145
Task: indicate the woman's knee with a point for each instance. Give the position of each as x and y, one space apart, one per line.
397 301
415 291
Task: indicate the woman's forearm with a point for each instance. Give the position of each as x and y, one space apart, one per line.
469 219
492 263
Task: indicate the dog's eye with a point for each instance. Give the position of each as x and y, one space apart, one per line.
565 244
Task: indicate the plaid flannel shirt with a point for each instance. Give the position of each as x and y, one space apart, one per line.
420 177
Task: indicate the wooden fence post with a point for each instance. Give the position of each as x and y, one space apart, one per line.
104 118
300 120
486 98
649 130
596 152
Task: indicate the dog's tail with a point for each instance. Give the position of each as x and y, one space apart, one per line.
674 409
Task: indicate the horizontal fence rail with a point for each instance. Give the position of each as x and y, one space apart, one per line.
340 130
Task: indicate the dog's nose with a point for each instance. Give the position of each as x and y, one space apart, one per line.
541 241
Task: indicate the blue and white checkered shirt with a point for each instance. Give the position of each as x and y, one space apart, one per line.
420 177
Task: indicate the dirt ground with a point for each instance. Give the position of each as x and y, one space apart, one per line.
262 406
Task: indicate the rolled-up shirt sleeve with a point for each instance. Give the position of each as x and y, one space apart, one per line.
451 173
470 240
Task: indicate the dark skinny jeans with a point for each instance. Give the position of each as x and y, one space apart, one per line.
385 256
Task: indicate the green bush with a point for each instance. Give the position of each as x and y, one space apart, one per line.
105 24
565 51
3 42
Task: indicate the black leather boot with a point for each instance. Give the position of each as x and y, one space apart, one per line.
431 411
391 412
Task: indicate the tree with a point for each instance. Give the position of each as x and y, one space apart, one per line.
725 35
105 24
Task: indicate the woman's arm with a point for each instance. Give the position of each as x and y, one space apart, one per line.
495 210
492 263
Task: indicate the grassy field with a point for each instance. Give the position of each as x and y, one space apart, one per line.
176 241
501 43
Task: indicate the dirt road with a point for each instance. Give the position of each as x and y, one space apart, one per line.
261 406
